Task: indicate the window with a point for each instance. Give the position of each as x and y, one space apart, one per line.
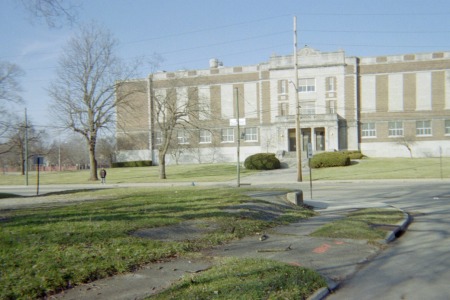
251 134
182 137
423 127
308 108
228 135
306 85
368 130
158 138
331 106
205 136
447 126
283 86
396 128
330 84
284 109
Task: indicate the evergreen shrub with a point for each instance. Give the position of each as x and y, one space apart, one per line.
354 154
262 161
132 164
330 159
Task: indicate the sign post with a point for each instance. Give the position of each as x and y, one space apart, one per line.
39 160
310 155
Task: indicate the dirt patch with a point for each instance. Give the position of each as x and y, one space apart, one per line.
188 230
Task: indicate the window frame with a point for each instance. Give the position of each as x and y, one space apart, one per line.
394 130
225 135
369 132
205 138
447 127
182 137
424 129
306 85
251 134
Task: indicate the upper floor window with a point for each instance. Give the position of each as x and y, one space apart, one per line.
284 109
205 136
251 134
368 130
331 106
228 135
282 87
395 128
330 84
306 85
423 128
308 108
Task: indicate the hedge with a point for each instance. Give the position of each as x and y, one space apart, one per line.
131 164
330 159
262 161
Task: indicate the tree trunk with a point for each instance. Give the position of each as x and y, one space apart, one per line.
92 161
162 165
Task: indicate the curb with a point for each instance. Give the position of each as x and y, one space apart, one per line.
401 227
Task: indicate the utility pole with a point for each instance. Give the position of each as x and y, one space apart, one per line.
298 133
26 149
238 139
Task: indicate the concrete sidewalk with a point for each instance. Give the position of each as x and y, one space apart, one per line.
335 259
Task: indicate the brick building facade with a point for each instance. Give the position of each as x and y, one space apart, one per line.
389 106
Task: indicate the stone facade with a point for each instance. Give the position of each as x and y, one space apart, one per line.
380 105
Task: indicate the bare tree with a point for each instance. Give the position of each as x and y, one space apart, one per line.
17 142
408 142
54 12
9 85
107 151
175 112
9 94
84 98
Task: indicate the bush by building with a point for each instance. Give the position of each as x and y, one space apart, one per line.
330 159
262 161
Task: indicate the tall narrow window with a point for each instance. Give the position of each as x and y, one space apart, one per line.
395 128
423 128
330 84
368 130
284 111
447 126
331 106
283 87
157 137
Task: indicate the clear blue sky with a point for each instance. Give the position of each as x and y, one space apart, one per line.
238 32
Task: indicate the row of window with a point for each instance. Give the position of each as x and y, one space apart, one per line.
308 85
423 128
227 135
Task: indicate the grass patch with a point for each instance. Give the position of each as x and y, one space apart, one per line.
247 279
175 173
44 250
387 168
367 224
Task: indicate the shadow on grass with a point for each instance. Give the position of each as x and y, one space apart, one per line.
7 195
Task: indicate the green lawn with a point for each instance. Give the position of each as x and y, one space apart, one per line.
387 168
46 249
175 173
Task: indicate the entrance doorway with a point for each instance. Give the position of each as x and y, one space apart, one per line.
320 139
292 140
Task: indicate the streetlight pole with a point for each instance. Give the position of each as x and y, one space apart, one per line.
298 134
